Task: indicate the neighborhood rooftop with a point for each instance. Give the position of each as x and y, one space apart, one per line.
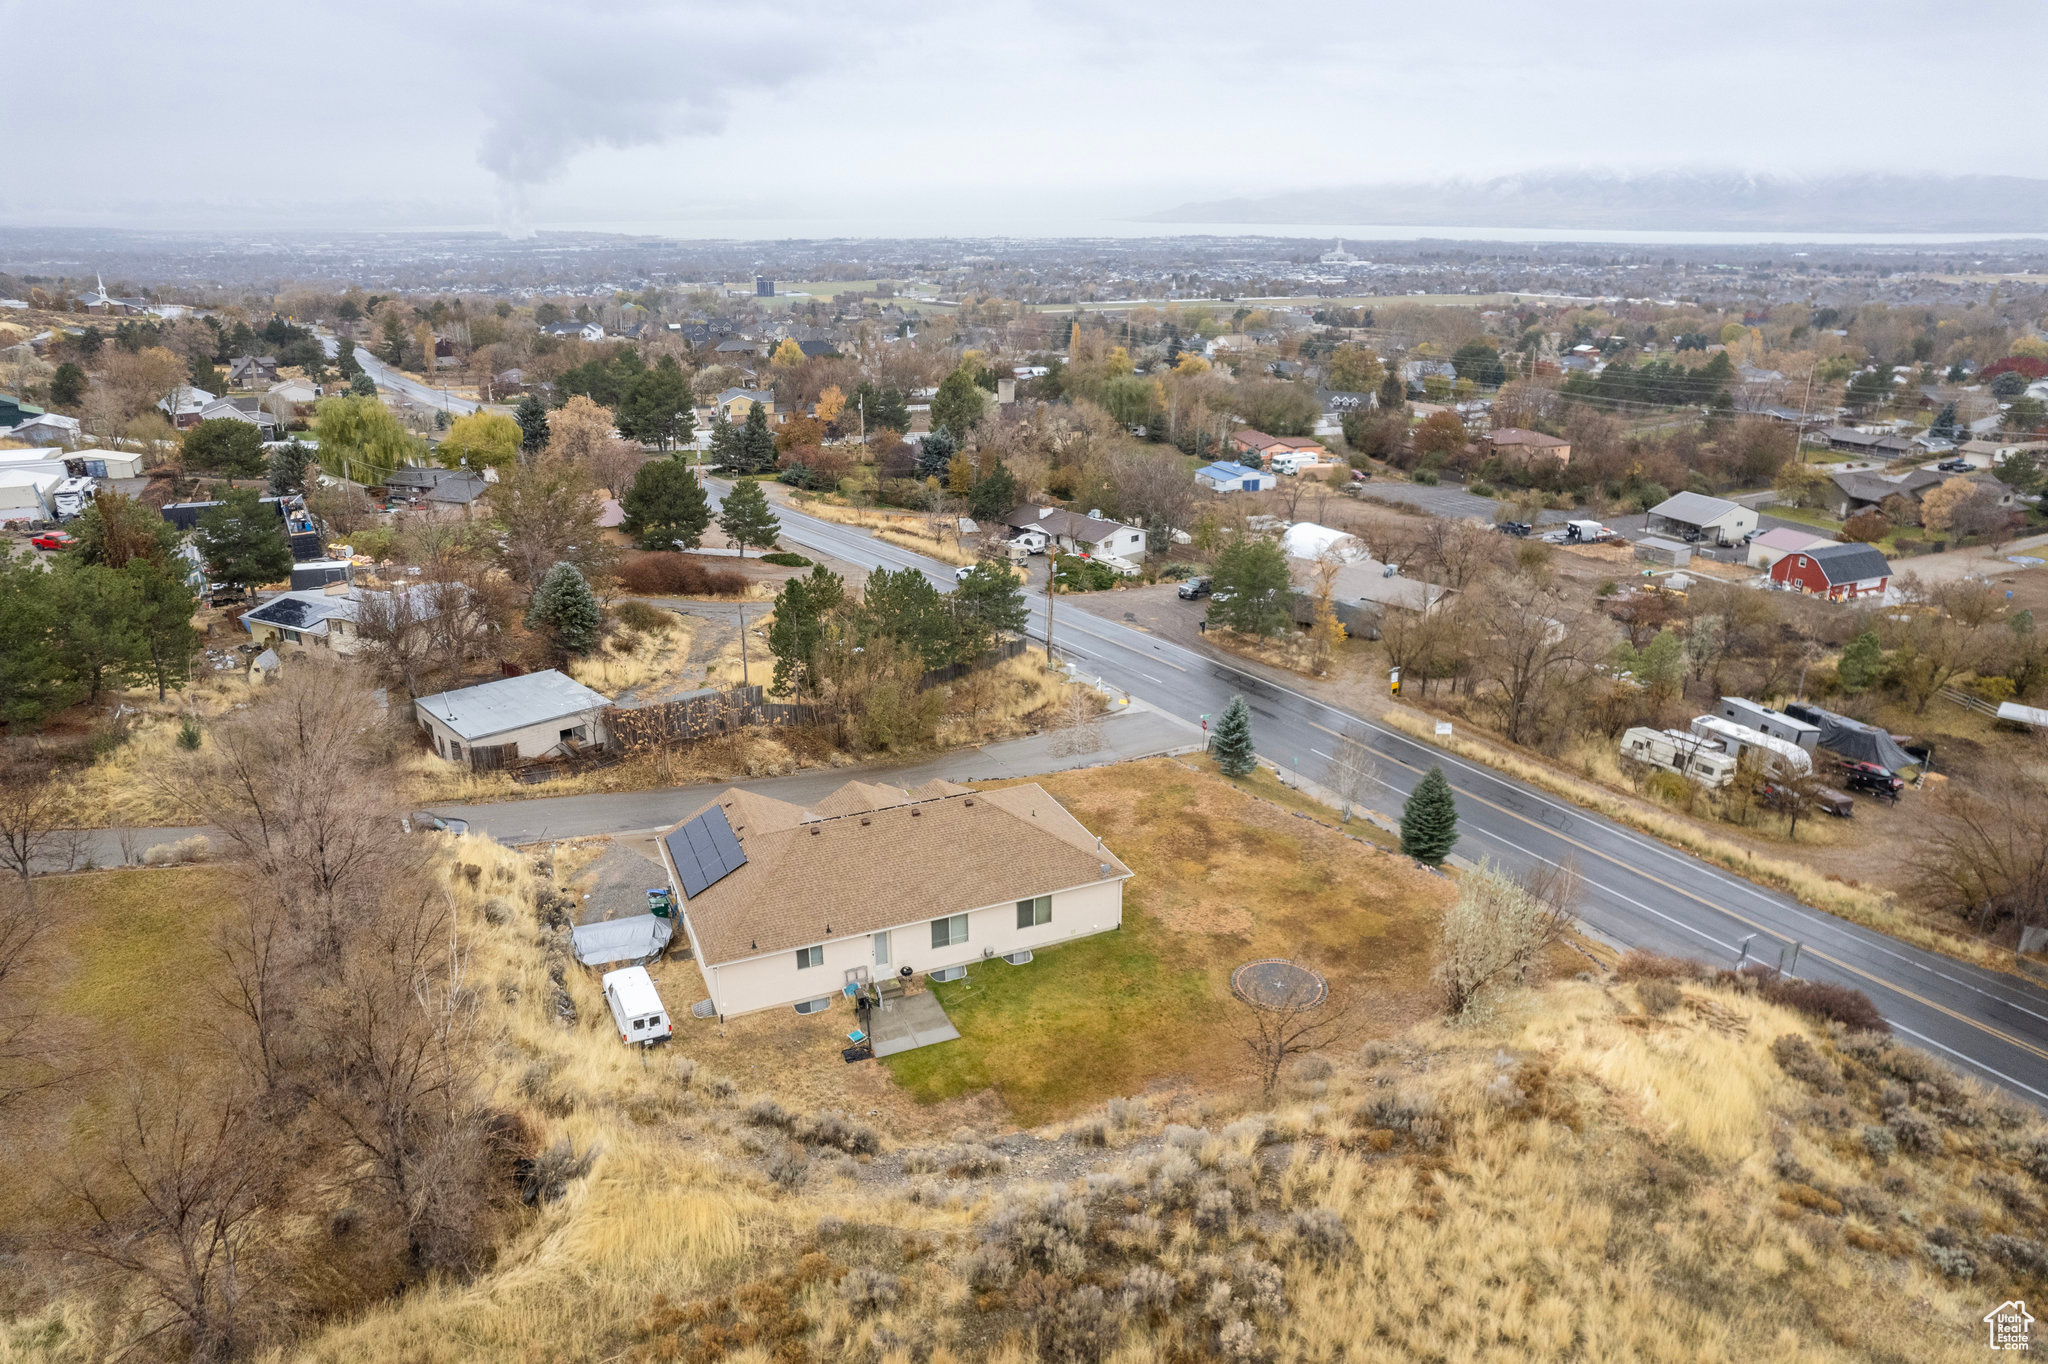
869 857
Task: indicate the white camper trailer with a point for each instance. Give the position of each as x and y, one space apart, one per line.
1690 755
636 1007
1788 758
1775 723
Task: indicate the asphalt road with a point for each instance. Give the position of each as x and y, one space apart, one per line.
1450 500
392 379
1638 891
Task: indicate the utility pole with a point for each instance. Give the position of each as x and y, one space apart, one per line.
1052 573
1799 434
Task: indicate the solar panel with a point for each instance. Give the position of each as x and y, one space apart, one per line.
705 852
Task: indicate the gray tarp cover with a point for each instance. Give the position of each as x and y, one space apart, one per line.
635 939
1853 739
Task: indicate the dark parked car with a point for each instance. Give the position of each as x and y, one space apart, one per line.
1518 529
1881 782
427 822
1193 589
1954 466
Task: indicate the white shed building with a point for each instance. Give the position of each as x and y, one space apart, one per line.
514 719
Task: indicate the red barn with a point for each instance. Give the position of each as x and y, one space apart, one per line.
1837 572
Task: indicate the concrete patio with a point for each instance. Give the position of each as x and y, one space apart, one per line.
908 1023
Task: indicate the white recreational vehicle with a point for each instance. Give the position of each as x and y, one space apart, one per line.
1788 758
1690 755
636 1007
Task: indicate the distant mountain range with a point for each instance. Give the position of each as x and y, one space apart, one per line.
1674 201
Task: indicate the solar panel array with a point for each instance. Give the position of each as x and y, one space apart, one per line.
705 852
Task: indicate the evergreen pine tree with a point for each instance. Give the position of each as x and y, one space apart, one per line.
936 453
1429 821
1233 743
666 507
757 442
725 444
242 541
566 610
532 416
745 517
1393 389
1862 663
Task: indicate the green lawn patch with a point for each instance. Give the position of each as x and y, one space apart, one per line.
1225 873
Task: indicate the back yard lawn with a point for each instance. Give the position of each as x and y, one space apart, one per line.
1222 878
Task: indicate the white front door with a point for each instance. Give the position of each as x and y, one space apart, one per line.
881 949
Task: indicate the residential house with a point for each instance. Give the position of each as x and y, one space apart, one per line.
48 426
323 617
738 402
1230 343
1528 447
505 384
297 392
250 410
1858 490
90 462
1417 373
1264 448
1227 477
1773 545
583 331
737 351
1077 534
1362 591
436 489
1694 516
183 406
247 371
515 719
444 354
1837 572
786 905
1875 444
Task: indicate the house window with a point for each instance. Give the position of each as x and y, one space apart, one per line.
950 932
1035 911
1802 561
809 956
814 1006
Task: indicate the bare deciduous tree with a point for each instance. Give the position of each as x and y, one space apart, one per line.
1496 929
36 832
1533 649
25 1064
1298 1020
1352 772
191 1176
1985 858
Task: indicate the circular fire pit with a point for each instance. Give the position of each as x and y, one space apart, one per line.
1276 984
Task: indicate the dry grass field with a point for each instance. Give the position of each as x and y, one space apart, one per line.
1599 1170
1222 878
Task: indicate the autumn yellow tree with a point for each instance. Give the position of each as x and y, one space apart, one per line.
788 355
423 337
1118 362
1938 507
1191 364
580 429
1355 369
960 475
830 404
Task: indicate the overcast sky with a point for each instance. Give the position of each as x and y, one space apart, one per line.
703 119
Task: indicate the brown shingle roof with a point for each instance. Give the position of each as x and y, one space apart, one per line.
810 877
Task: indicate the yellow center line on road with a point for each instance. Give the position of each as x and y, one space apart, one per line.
1840 965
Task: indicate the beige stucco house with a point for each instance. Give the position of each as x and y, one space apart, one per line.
786 905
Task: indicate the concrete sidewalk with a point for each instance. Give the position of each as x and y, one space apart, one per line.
1137 730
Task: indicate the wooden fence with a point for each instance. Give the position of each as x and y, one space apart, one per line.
697 716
